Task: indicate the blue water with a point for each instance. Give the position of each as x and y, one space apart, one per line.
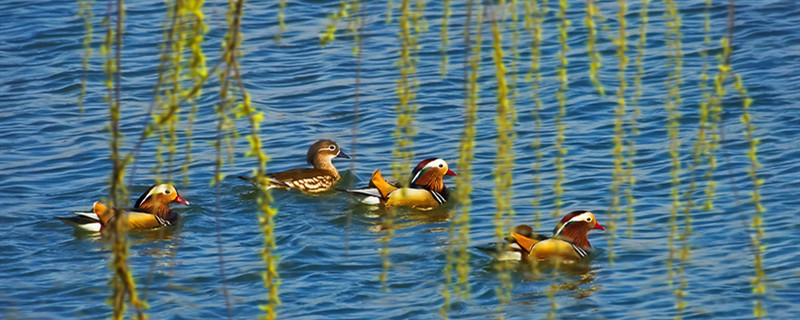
53 160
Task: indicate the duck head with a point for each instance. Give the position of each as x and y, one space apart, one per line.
157 198
429 173
575 226
322 152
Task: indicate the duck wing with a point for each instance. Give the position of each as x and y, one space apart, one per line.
305 179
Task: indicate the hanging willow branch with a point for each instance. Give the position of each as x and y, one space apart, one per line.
759 280
459 229
281 19
504 160
330 30
445 39
472 56
86 13
632 124
410 25
591 48
124 288
618 176
244 108
674 63
514 50
534 22
561 96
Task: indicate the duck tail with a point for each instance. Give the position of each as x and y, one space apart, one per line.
499 253
385 188
370 192
271 182
83 220
524 242
102 212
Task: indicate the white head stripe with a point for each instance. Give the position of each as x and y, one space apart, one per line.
579 217
435 163
416 176
432 164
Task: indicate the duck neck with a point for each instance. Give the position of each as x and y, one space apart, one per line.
432 184
576 236
324 163
160 210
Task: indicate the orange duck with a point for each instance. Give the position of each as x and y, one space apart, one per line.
569 241
426 189
150 211
320 178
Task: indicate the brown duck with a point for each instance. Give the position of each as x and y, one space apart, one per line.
320 178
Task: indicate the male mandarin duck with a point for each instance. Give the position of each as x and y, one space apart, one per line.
425 191
569 241
318 179
150 211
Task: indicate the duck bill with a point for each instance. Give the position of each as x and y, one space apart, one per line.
450 173
598 226
179 199
342 155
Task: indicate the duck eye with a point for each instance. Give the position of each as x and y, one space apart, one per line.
167 192
332 147
589 219
441 165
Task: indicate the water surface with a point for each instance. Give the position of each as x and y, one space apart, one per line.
54 159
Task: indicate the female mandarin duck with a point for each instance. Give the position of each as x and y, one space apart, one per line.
569 241
150 211
425 191
318 179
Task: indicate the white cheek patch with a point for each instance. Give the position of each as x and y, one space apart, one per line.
158 189
583 217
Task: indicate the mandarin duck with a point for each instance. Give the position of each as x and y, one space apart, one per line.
150 211
569 241
426 190
320 178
